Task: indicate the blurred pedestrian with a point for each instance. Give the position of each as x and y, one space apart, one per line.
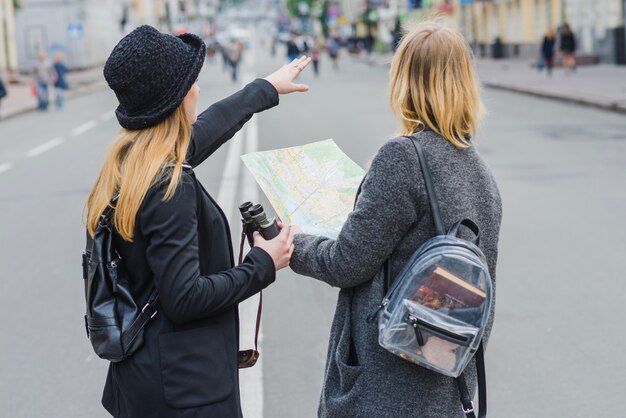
44 76
568 48
333 52
171 235
396 35
302 44
293 51
368 42
211 50
3 91
273 44
223 50
315 58
547 51
60 83
434 93
234 53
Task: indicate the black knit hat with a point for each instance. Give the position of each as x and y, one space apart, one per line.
151 73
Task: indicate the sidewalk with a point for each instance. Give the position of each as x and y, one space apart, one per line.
19 98
602 85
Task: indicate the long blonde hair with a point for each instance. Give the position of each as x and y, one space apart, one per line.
135 161
433 84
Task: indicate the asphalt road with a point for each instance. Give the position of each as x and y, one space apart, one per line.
556 349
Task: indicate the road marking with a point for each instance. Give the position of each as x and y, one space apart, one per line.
228 185
5 167
107 116
249 189
251 383
46 146
84 128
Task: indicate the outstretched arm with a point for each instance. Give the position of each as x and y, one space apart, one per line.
222 120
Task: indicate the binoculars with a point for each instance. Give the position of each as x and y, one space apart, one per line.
254 219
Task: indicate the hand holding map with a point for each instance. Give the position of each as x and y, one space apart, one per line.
312 186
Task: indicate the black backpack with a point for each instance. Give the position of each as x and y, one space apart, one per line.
114 321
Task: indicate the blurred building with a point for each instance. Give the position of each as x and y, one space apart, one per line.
175 16
87 30
8 50
516 27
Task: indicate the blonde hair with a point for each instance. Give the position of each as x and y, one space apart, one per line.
433 84
135 161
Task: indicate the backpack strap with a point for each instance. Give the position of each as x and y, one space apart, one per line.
469 224
148 312
107 214
430 189
466 397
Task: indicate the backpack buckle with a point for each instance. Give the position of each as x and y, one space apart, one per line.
151 311
470 409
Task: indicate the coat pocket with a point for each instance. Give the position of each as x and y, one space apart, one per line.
346 356
195 368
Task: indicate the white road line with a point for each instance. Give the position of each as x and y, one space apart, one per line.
251 380
46 146
228 185
5 167
84 128
249 189
107 116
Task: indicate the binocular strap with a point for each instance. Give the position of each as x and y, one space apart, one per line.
248 358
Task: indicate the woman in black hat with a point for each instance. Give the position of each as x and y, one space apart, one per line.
172 235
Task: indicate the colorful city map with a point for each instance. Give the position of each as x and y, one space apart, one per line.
312 186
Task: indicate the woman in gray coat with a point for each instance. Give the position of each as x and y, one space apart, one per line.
435 95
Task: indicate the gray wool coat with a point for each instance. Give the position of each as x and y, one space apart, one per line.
392 216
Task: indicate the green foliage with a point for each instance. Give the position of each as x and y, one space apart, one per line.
292 6
17 4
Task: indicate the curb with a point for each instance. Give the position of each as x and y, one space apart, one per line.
611 106
78 91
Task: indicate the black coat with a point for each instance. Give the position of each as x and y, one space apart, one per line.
547 48
188 363
568 43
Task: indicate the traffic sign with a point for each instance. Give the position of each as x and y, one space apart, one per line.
75 31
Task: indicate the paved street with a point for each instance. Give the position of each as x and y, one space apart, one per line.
556 349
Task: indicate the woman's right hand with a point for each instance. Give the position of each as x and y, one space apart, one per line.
282 79
279 248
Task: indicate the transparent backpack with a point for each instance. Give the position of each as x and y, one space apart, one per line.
435 313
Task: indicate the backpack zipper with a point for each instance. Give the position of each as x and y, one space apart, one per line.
381 305
418 323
